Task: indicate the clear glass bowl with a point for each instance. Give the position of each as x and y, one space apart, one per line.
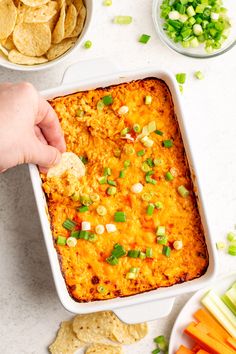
200 51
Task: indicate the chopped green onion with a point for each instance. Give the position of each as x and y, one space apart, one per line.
148 99
69 224
232 250
111 190
149 179
111 183
129 150
146 197
144 38
162 240
87 44
122 174
124 131
137 128
166 251
156 351
101 289
94 197
157 162
145 167
112 260
149 252
92 237
181 88
61 240
168 143
169 176
131 275
100 105
231 236
150 209
122 20
161 231
127 163
75 233
102 180
83 209
220 245
183 191
80 113
107 100
133 253
142 255
141 152
147 141
84 234
162 343
84 159
181 78
159 132
134 270
150 162
107 171
101 210
118 251
199 75
85 199
107 2
159 205
120 216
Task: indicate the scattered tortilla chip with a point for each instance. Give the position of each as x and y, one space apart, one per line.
59 30
8 15
66 341
39 14
57 50
18 58
70 20
128 334
32 39
104 349
34 3
80 22
69 162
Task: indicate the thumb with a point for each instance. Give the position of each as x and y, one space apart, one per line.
43 155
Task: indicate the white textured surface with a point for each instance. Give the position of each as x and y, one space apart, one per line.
30 311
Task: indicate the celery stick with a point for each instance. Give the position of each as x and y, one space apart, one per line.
229 304
222 307
231 294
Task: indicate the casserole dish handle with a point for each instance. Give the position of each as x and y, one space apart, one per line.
89 69
145 312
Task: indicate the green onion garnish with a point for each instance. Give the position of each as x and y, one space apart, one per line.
61 240
150 162
107 171
199 75
133 253
161 231
220 245
142 255
75 233
149 252
87 44
144 38
100 105
145 167
111 190
232 250
150 209
168 143
69 224
122 174
84 235
169 176
129 150
137 128
120 216
102 180
159 205
146 197
84 159
124 131
92 237
181 88
122 20
183 191
157 162
118 251
83 209
148 100
134 270
149 179
140 152
112 260
107 100
181 78
162 343
80 113
127 163
85 199
156 351
166 251
159 132
107 2
231 236
162 240
111 183
101 289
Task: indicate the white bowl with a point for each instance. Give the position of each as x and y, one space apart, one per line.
7 64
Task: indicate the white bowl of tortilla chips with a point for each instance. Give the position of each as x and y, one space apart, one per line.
37 34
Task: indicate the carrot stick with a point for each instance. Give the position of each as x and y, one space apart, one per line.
196 348
201 351
183 350
232 342
211 333
206 342
206 318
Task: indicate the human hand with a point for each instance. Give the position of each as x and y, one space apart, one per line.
29 128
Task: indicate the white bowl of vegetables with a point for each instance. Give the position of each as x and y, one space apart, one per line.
196 28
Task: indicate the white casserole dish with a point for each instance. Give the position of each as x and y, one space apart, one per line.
156 303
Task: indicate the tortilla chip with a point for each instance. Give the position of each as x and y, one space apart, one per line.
71 163
8 15
35 3
66 341
70 20
128 334
80 22
104 349
39 14
78 5
57 50
18 58
8 43
32 39
3 50
59 30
